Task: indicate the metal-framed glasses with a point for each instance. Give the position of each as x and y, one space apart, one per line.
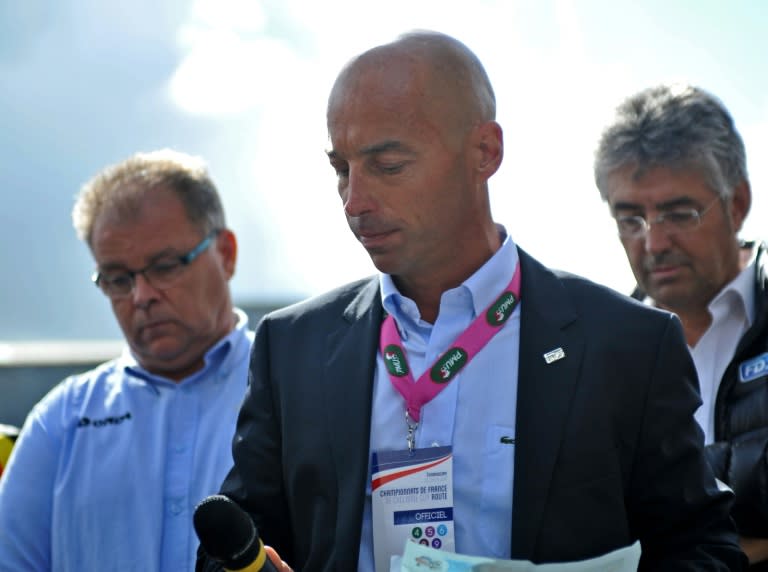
676 220
161 274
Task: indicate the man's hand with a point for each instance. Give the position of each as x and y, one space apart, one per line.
276 560
756 549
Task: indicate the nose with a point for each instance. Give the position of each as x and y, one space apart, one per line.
656 239
143 293
356 195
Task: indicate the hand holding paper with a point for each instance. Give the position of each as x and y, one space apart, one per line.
420 558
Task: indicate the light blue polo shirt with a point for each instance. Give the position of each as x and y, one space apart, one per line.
110 464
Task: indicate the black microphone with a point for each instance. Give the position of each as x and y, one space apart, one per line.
228 535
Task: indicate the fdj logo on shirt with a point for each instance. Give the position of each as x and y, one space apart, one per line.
448 365
395 361
753 368
502 309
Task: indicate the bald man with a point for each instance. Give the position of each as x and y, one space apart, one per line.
465 397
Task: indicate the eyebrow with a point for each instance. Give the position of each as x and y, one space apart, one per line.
376 148
662 206
166 252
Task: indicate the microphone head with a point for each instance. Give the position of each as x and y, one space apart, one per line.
226 532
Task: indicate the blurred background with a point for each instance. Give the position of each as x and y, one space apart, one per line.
243 83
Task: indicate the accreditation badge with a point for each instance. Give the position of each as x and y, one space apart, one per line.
411 499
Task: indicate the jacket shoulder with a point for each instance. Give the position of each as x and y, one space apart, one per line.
360 292
564 292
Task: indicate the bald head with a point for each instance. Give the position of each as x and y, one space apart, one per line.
434 72
413 141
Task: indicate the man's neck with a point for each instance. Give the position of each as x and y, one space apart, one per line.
183 368
696 318
695 323
426 289
426 296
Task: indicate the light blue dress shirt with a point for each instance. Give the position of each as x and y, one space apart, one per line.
110 465
471 414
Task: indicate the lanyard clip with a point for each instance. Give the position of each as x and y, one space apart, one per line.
411 436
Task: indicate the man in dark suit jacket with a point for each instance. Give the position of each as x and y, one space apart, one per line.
606 449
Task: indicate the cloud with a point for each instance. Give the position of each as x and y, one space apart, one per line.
230 65
556 68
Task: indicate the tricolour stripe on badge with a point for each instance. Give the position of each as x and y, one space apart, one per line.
387 477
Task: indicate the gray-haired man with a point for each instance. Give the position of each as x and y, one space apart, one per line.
672 168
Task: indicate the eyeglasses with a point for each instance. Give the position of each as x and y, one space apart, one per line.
161 274
678 220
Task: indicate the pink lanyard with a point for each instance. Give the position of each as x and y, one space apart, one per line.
445 368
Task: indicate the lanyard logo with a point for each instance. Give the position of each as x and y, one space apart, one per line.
502 309
448 365
395 361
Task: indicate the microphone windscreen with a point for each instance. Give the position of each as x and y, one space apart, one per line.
226 532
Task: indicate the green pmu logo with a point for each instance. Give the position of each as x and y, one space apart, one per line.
501 310
395 361
448 365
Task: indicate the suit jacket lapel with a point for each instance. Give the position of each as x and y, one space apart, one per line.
547 322
348 376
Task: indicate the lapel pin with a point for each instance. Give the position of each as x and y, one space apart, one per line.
554 355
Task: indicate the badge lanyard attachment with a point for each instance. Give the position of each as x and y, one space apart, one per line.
411 435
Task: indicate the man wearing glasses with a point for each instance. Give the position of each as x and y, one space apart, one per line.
672 168
111 463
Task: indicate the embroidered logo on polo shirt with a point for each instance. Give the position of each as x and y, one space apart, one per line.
88 422
754 368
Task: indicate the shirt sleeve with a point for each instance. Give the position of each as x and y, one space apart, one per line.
26 492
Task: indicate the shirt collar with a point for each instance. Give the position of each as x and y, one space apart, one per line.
737 295
223 354
484 286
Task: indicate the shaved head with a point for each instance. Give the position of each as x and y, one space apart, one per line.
435 69
413 140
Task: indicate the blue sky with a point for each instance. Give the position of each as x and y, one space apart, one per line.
85 83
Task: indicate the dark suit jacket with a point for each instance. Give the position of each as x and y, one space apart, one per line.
607 450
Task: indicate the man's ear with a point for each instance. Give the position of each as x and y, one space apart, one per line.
226 246
489 144
741 201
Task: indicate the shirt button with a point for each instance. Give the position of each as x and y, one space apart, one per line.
179 448
435 444
175 509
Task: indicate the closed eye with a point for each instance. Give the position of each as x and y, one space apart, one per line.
391 169
164 267
680 217
341 167
116 279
